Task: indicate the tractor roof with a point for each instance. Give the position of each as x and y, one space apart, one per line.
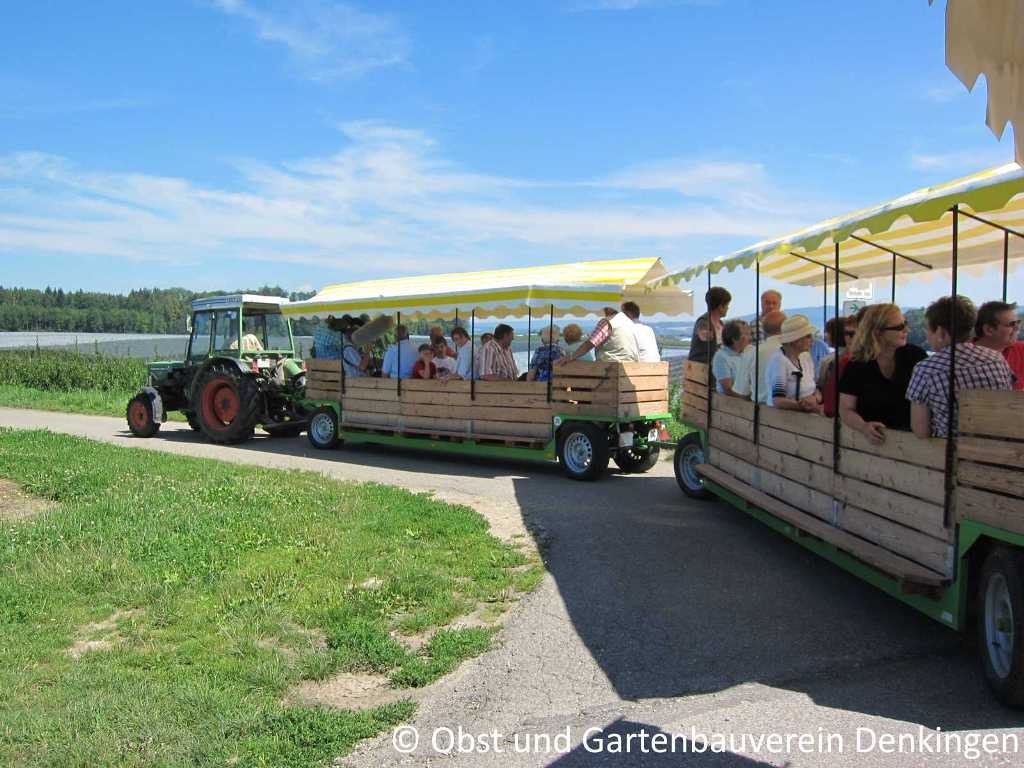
233 300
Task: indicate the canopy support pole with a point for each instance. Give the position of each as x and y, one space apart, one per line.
551 337
1006 261
890 250
893 299
529 333
836 421
824 302
398 355
951 415
472 355
826 266
711 378
757 353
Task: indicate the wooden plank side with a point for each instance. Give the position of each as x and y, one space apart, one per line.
696 372
694 417
695 401
912 512
396 422
923 483
650 396
314 364
693 388
597 368
874 555
991 509
737 406
798 423
476 412
989 478
733 424
902 446
991 451
737 446
930 552
583 383
463 398
807 448
315 393
516 388
796 469
636 383
992 414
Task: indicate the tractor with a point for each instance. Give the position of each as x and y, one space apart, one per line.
240 370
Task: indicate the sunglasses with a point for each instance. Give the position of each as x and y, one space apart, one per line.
849 333
901 327
1012 324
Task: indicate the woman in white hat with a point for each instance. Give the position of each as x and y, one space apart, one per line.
789 377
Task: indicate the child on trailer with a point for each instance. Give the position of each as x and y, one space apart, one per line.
424 367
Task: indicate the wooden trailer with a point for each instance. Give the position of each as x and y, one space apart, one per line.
611 410
937 524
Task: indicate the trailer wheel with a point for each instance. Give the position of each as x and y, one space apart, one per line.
229 404
323 428
1001 624
690 453
636 460
583 451
140 416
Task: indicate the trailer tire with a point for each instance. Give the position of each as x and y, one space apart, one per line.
583 451
1001 624
322 431
637 460
140 416
229 404
689 453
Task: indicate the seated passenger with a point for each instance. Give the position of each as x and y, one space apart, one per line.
399 357
496 361
424 367
873 387
354 360
733 362
445 365
997 328
771 326
612 339
572 335
840 335
545 355
484 338
789 377
975 367
707 331
463 354
646 339
436 335
327 340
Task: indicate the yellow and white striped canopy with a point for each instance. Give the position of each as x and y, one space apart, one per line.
578 290
918 226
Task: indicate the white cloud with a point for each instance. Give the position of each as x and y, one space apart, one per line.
943 94
387 202
965 161
326 40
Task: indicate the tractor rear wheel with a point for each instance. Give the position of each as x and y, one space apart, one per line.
193 421
140 416
229 404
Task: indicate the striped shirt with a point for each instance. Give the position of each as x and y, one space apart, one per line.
976 368
496 360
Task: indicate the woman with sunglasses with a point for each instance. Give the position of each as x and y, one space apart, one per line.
873 386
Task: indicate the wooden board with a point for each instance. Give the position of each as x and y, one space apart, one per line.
807 448
463 398
798 423
696 372
902 446
635 383
695 389
736 406
924 516
601 368
312 364
396 422
737 446
920 482
693 417
316 393
733 424
991 478
991 451
872 554
992 414
990 508
796 469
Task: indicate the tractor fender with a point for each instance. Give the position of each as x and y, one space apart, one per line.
157 403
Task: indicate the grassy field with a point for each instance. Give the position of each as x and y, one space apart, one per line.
207 590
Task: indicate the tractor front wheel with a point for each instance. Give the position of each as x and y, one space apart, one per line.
140 416
229 404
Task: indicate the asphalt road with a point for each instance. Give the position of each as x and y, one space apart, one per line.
663 624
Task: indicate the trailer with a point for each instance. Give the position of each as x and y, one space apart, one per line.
936 523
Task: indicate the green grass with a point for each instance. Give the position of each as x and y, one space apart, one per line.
91 401
241 582
67 371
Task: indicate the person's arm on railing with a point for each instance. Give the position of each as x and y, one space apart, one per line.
874 431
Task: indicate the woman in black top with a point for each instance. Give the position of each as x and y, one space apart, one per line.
707 331
873 387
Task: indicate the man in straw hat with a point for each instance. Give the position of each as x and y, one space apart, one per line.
789 377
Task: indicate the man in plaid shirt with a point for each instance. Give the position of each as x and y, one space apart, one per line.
976 367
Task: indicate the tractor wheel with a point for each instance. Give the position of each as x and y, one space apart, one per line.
193 421
690 453
229 404
583 451
1001 624
323 428
140 416
284 430
637 460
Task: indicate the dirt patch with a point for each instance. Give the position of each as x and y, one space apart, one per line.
16 504
294 638
99 635
350 690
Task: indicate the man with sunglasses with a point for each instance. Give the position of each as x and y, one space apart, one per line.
976 367
997 328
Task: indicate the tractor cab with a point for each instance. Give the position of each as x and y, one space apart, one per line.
240 370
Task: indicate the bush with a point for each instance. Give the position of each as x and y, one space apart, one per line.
67 371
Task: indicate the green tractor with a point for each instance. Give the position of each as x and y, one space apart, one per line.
240 371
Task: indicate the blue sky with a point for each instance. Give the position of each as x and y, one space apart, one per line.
219 143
